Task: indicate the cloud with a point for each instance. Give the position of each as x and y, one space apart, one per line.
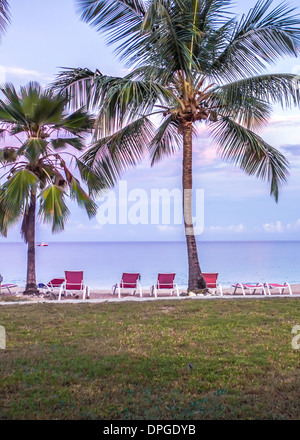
279 121
167 229
73 226
274 227
293 150
279 228
232 228
20 72
294 226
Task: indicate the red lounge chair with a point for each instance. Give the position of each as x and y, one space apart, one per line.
252 287
54 283
165 281
212 282
8 287
280 287
128 281
73 282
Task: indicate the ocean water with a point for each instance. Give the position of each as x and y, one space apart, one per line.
103 263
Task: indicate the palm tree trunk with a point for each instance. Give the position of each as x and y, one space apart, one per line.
196 281
31 287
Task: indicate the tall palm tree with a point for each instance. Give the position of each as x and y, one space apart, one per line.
192 62
36 173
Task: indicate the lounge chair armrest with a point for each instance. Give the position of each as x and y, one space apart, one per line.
140 289
177 289
62 289
86 292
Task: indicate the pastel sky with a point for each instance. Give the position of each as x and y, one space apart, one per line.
45 36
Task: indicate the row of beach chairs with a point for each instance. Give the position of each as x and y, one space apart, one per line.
74 282
165 282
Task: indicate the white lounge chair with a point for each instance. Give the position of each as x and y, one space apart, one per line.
280 287
251 287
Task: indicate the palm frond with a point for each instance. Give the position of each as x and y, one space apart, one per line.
61 143
166 141
275 88
111 156
251 153
53 208
18 188
32 148
258 40
80 86
8 215
107 15
94 180
124 99
82 198
4 16
77 122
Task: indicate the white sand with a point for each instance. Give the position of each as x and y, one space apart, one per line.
104 295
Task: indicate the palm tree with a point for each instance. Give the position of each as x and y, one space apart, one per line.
192 62
37 171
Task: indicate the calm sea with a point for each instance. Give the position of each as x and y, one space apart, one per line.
103 263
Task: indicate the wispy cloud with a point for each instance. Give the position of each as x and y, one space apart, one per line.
20 72
167 229
293 150
231 228
279 121
276 227
279 228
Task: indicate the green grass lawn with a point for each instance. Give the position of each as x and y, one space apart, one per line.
164 360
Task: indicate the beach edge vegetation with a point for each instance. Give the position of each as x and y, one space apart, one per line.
191 62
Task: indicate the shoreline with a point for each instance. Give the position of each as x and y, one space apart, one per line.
104 295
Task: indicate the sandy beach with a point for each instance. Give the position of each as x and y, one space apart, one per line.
103 295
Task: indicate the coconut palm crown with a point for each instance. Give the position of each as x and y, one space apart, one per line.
36 178
191 62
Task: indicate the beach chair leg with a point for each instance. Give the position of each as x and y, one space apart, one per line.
289 288
236 286
140 289
266 285
60 292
